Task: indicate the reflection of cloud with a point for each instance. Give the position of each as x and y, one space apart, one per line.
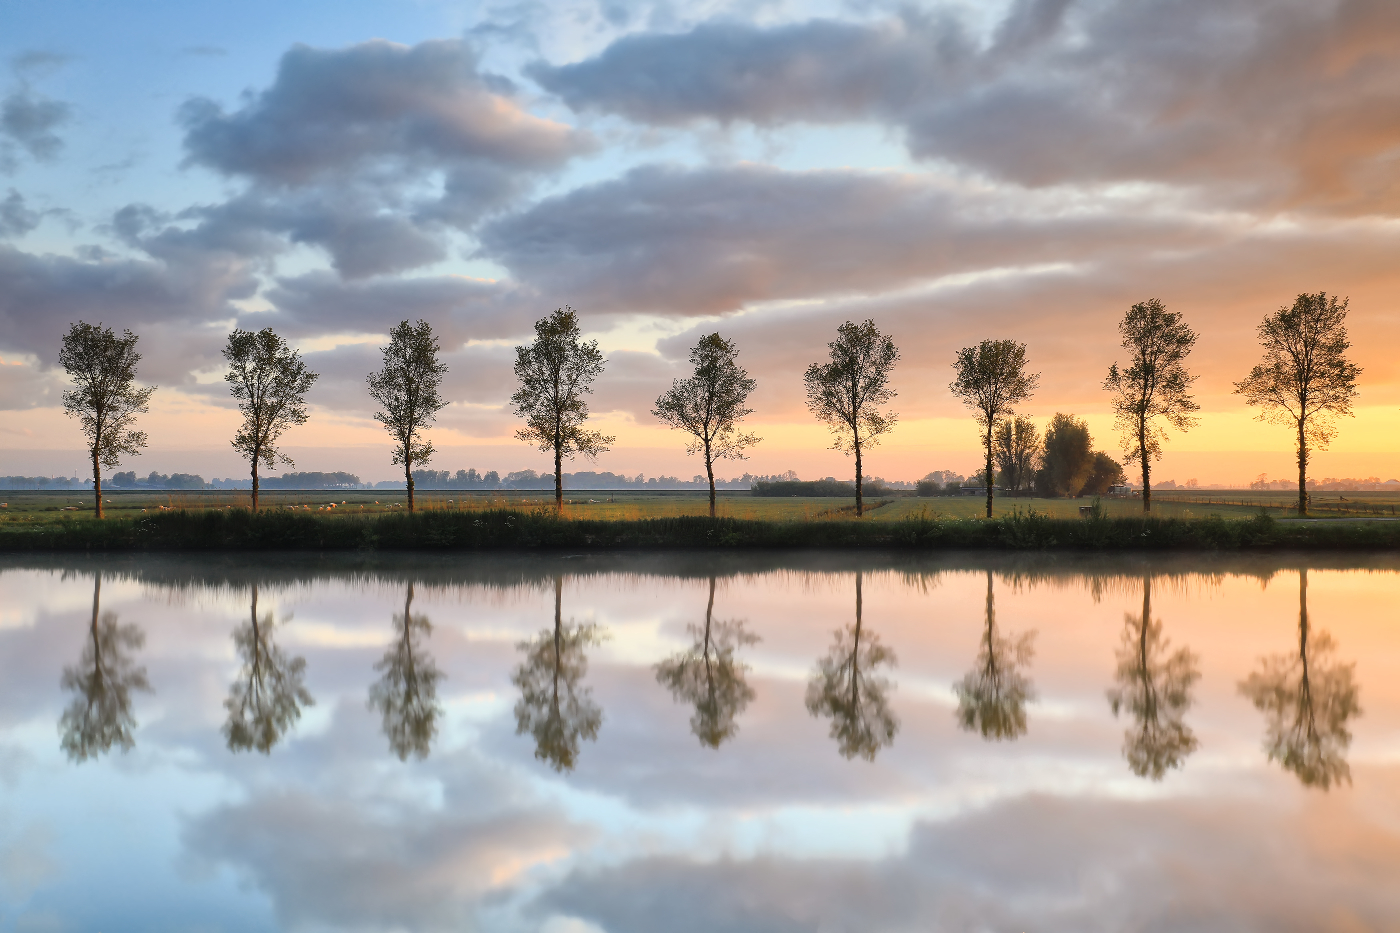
328 861
1037 863
25 862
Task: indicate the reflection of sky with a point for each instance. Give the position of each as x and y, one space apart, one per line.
773 831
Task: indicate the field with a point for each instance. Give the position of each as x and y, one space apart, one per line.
29 508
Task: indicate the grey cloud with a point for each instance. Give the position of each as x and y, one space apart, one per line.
330 110
1040 863
27 121
678 241
460 309
16 219
164 302
1279 104
375 151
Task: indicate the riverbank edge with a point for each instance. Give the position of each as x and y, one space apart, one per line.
279 530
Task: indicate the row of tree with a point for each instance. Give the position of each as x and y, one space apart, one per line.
1307 695
1304 380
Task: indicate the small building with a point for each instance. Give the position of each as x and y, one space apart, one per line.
1121 491
977 490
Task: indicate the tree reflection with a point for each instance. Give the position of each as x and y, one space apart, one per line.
406 694
1155 688
708 676
554 706
846 688
992 696
268 695
103 680
1308 698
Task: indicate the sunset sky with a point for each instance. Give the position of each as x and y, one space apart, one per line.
954 171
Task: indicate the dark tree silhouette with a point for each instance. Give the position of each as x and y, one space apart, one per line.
266 699
406 387
406 693
270 382
710 404
1305 379
555 371
992 697
992 380
1308 698
709 677
103 680
848 393
1154 687
846 688
1016 445
1155 385
554 706
104 397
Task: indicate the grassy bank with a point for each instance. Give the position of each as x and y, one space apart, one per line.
240 530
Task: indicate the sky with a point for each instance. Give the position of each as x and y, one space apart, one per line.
953 171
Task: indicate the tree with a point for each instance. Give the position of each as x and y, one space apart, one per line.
1305 379
554 706
104 398
1017 444
1308 699
407 388
269 693
848 393
1154 687
270 382
992 696
710 404
992 380
1068 458
710 678
555 372
1104 472
846 687
103 680
1156 385
406 694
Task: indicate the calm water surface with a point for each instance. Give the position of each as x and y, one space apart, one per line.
692 743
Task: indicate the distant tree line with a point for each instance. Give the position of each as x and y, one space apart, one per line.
1304 381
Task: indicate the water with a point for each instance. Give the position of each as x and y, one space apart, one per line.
554 744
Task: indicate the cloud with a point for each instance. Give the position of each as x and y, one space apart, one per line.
375 150
1035 862
459 308
16 219
27 122
677 241
1275 105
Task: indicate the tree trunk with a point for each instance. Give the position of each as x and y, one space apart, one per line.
855 652
710 472
558 475
408 480
988 443
1302 467
860 503
255 478
1146 468
97 482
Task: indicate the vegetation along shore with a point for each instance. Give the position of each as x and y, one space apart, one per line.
545 529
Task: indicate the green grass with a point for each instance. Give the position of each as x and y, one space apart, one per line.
484 529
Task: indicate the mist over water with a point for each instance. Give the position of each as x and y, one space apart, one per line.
693 742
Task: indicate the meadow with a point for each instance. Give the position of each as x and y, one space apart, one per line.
42 507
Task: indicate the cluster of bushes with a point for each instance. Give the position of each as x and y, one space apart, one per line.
828 487
1062 463
129 480
43 482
